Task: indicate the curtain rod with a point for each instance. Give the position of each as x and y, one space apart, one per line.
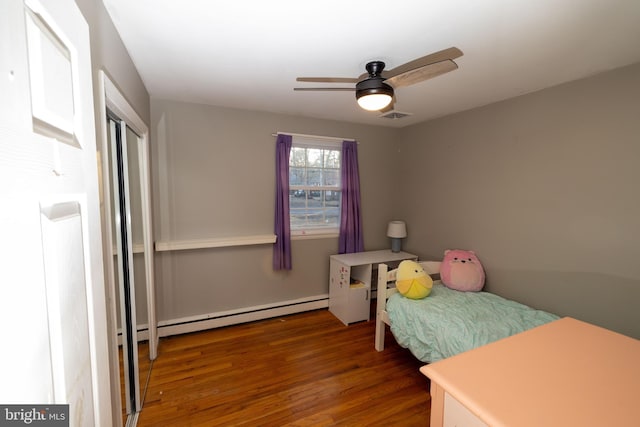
302 135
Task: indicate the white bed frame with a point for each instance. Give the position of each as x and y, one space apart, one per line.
386 288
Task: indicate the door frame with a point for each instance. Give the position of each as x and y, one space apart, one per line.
111 98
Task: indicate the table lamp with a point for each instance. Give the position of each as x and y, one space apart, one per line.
397 230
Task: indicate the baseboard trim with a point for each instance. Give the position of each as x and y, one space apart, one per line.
142 333
234 317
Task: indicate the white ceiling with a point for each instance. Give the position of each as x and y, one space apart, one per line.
247 53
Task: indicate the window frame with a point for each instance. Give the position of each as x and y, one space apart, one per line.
322 144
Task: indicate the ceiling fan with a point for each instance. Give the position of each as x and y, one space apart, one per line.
375 88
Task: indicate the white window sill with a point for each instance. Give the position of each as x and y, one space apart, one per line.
314 234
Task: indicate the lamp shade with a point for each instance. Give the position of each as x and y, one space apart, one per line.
397 229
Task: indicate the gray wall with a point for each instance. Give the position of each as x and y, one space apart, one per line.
544 188
541 186
213 176
109 54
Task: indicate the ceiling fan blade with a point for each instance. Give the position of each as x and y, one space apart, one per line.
330 89
443 55
327 79
420 74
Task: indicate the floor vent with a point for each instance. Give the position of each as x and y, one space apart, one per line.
394 115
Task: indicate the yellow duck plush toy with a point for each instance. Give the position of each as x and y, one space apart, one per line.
412 281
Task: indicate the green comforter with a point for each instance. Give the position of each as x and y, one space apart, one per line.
448 322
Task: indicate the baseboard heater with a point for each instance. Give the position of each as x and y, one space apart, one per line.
243 315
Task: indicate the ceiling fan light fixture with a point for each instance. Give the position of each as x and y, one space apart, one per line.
374 90
374 101
373 94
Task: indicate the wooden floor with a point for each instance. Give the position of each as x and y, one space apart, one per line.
305 369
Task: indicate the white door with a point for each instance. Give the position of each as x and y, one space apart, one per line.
52 298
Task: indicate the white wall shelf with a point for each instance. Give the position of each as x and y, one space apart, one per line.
220 242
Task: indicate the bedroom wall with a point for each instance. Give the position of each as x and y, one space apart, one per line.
544 188
541 186
109 54
213 176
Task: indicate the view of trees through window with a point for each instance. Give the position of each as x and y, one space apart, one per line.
314 184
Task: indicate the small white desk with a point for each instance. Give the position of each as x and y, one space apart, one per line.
563 373
350 277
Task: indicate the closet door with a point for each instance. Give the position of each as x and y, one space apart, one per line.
125 271
129 266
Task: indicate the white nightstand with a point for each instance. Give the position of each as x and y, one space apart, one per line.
350 278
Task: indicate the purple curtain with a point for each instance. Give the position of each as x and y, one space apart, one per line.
282 229
351 233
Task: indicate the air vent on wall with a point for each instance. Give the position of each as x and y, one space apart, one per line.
394 115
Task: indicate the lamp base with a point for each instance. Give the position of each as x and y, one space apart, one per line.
396 244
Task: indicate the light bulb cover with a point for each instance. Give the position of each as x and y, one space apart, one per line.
373 94
374 102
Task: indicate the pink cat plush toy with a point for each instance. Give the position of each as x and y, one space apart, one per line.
462 271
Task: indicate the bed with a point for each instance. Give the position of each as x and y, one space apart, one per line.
447 322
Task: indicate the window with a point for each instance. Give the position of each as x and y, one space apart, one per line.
314 187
